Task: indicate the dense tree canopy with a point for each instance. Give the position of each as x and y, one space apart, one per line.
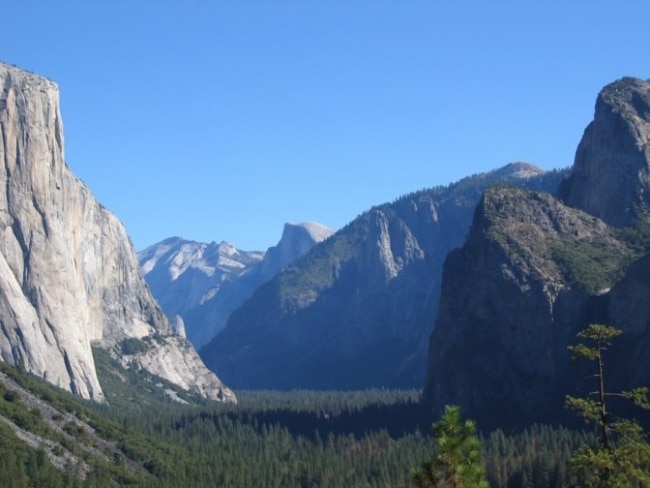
285 439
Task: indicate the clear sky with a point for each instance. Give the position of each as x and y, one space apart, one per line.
222 120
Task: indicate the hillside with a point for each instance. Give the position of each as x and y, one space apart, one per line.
319 439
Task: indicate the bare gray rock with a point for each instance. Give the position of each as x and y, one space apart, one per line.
296 241
69 275
611 175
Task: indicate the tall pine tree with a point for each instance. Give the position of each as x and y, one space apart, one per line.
456 462
620 456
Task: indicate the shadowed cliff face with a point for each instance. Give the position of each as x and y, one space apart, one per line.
509 307
629 309
611 175
534 271
68 273
357 310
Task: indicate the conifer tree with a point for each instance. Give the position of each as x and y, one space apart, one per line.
457 459
620 457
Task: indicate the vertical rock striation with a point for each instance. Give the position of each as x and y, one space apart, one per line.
509 307
68 274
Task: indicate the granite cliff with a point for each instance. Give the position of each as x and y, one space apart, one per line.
357 309
536 269
69 276
611 175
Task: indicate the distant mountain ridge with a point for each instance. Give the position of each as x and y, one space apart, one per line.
203 283
183 275
356 311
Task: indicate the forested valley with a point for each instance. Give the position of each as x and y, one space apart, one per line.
371 438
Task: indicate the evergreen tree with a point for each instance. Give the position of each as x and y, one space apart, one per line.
620 457
457 459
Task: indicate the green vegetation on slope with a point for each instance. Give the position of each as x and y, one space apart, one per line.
293 439
591 265
594 265
136 389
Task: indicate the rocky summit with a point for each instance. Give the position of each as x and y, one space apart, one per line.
69 277
611 175
537 269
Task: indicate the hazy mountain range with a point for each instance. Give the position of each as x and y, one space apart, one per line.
203 283
357 310
479 285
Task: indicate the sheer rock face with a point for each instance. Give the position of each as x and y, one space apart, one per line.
628 309
611 175
357 310
296 241
68 274
507 310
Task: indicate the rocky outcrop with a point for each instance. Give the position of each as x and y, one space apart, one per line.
357 310
534 271
69 276
203 283
513 297
174 359
611 175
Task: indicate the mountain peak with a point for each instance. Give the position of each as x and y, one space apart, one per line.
313 230
611 173
203 283
356 311
519 170
626 94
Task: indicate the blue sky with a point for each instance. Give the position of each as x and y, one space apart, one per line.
223 120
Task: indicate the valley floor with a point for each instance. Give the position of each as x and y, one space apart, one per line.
293 439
